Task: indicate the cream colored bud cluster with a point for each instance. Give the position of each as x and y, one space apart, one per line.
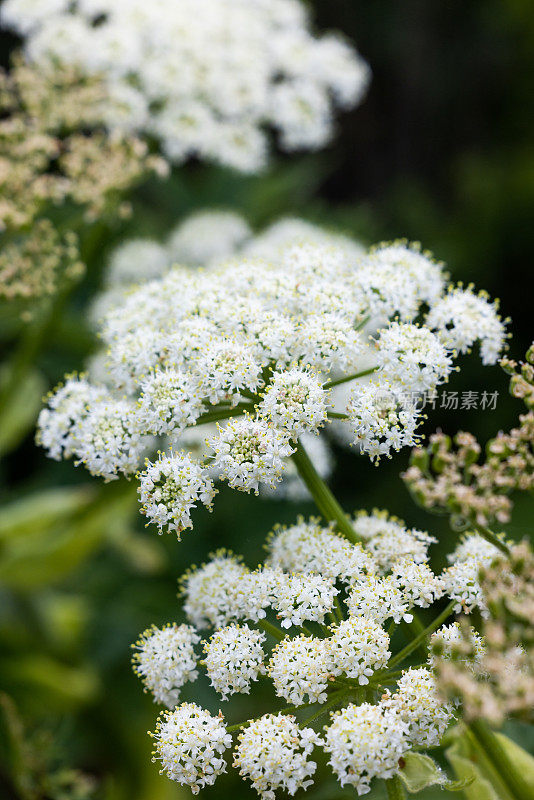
495 681
269 624
54 146
448 476
34 264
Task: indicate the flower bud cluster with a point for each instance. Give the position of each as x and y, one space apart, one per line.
495 680
447 476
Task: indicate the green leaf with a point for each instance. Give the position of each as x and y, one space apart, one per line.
20 412
418 771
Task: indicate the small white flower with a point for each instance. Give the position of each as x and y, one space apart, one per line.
383 418
107 439
417 701
365 742
190 743
169 402
234 658
67 406
273 752
170 487
358 647
389 540
165 660
378 599
412 356
462 318
300 667
295 401
249 452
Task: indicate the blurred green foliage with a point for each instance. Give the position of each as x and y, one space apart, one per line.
441 151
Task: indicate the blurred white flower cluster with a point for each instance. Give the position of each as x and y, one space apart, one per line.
266 351
315 620
204 77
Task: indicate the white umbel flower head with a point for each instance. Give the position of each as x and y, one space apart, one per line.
409 260
359 647
388 539
412 356
383 418
165 660
299 667
418 584
448 643
136 261
273 753
365 742
463 318
417 701
207 590
308 547
67 406
225 368
234 658
107 439
379 599
170 487
295 401
190 743
299 598
207 236
169 402
249 452
170 75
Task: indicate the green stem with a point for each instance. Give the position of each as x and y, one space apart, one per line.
508 772
491 537
223 413
394 788
268 627
425 633
325 708
347 378
338 610
323 497
337 415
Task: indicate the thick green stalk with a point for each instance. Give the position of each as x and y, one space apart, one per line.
268 627
223 413
347 378
394 788
325 708
414 644
323 497
494 751
492 538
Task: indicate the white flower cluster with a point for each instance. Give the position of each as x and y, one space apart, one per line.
273 753
310 573
190 743
365 742
234 658
165 660
170 487
205 77
389 540
260 347
460 580
418 702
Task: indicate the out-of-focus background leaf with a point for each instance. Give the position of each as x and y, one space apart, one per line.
441 152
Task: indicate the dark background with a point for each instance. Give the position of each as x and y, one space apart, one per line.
440 152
